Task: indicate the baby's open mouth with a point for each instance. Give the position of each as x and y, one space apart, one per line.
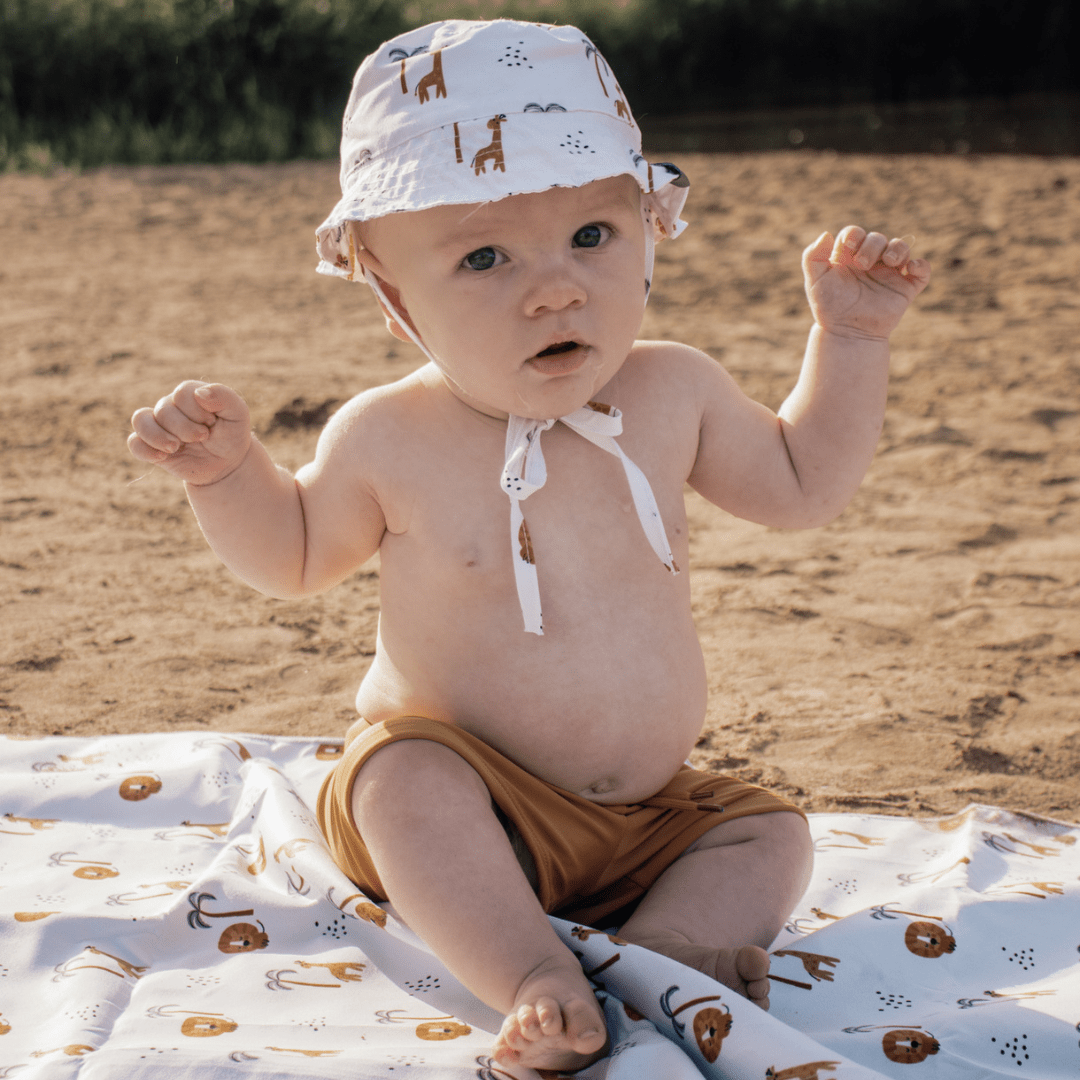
561 347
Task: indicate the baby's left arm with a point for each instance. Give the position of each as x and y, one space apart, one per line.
800 468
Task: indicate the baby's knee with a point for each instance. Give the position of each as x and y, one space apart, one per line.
789 827
413 774
792 845
781 837
788 831
784 844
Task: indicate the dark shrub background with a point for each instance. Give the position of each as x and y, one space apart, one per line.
88 82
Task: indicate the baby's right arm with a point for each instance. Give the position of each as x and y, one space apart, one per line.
284 535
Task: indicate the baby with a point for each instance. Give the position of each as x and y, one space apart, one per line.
538 682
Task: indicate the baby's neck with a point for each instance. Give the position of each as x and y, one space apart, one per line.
440 381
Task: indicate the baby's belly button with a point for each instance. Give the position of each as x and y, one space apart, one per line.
600 787
625 787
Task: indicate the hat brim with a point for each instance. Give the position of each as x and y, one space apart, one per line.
489 159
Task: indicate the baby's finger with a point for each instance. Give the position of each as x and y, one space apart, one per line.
870 250
190 402
917 271
153 435
848 240
896 254
816 257
174 420
143 451
220 400
820 248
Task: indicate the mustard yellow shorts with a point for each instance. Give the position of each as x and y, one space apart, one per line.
590 859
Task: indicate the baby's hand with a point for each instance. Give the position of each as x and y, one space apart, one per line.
862 284
199 433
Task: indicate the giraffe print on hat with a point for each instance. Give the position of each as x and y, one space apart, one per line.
493 152
432 80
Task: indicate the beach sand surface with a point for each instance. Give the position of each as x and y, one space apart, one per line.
920 653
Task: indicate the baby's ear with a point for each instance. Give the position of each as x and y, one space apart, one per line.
390 298
393 325
393 308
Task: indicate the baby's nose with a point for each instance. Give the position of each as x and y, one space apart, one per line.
554 289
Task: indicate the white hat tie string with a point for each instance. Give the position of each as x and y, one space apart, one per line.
525 472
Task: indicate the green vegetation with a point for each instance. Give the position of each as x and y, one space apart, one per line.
88 82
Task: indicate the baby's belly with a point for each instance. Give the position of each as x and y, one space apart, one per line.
610 715
608 702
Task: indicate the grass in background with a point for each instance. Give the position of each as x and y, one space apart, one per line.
90 82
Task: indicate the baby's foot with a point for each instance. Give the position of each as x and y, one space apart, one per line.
745 969
555 1024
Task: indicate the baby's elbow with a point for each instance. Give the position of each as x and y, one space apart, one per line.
798 505
284 582
805 522
278 588
277 592
814 512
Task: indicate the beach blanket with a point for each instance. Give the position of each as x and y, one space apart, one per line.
168 909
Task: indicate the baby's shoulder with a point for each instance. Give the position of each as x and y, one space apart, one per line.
667 372
377 411
648 355
367 432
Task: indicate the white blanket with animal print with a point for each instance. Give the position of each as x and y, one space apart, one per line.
168 910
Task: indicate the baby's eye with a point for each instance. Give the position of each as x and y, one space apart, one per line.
481 259
590 236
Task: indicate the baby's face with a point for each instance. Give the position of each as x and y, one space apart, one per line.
530 304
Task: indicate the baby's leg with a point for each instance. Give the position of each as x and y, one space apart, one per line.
723 901
448 868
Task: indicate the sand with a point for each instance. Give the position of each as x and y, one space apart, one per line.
920 653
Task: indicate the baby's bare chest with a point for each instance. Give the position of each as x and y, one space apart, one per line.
451 515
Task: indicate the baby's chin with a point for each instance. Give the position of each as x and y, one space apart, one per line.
548 402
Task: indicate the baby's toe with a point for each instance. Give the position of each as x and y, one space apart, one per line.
758 992
549 1016
583 1031
752 964
744 969
527 1028
510 1040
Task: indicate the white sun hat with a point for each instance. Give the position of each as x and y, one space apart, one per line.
471 112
